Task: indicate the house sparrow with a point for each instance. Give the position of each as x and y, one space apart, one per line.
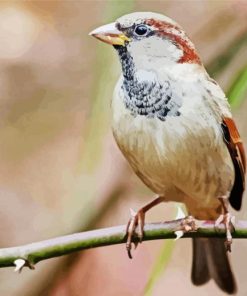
173 124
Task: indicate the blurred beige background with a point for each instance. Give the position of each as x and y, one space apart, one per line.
60 170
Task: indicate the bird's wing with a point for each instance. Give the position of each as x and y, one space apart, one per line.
236 150
219 104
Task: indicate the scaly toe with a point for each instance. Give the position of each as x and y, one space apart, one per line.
136 222
218 221
229 221
188 224
141 218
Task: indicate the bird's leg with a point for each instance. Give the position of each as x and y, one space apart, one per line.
228 220
137 222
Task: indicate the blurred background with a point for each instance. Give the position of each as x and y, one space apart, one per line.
60 170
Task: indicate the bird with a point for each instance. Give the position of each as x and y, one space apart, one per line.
173 124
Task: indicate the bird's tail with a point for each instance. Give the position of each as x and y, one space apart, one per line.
210 260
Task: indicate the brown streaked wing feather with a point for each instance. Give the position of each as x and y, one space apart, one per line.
236 150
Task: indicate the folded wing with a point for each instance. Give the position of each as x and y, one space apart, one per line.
236 150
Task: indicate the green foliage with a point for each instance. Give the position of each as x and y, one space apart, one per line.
220 62
106 65
238 90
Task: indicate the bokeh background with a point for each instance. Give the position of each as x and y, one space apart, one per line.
60 170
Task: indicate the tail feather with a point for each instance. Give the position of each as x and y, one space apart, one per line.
200 272
210 261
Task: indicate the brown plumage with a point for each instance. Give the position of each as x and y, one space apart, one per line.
165 29
236 150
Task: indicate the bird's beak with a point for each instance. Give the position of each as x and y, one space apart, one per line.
110 34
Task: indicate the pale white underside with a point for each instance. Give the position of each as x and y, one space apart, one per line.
183 158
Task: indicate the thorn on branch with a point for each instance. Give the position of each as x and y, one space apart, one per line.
180 215
30 254
20 263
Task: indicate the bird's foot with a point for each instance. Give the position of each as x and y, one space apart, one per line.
188 224
229 221
135 227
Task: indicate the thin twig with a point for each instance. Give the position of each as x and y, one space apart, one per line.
35 252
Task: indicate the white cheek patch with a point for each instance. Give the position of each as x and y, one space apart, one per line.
154 52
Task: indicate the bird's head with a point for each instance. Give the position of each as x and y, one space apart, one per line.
152 40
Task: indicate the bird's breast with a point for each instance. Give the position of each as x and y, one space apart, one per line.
184 154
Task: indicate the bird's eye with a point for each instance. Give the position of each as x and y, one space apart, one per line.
141 30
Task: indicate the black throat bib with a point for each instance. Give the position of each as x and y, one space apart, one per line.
146 97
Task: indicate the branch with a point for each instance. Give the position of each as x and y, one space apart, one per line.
29 255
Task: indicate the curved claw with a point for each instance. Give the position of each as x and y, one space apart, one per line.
136 222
